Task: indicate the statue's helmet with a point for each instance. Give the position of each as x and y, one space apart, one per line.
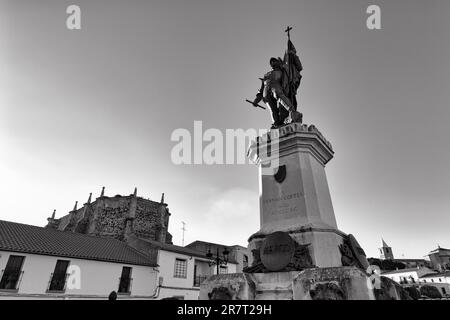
273 60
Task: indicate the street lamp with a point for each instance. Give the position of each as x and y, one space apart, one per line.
218 260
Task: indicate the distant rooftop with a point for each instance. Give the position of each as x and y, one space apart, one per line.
402 270
437 274
411 260
439 249
205 246
212 244
175 248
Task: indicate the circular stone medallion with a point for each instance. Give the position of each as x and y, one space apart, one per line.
277 251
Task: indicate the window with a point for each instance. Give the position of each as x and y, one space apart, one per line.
59 276
125 280
223 270
245 262
180 268
12 273
198 279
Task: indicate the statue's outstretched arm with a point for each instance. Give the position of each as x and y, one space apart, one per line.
259 94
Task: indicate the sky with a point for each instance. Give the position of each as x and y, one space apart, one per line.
82 109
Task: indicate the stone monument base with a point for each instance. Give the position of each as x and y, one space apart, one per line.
336 283
323 243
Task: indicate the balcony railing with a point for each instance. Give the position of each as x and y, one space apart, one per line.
125 285
57 283
10 280
198 280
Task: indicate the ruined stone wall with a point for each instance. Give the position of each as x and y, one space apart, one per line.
147 223
108 216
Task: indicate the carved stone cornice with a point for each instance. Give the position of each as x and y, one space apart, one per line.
291 139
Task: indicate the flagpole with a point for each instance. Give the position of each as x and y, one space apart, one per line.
291 93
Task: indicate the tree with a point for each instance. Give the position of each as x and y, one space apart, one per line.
392 265
430 292
413 292
387 265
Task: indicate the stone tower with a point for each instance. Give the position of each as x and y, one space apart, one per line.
386 251
117 217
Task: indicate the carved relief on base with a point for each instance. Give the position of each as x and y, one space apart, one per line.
298 256
352 253
220 293
327 291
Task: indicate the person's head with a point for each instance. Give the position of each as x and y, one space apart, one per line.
112 296
274 63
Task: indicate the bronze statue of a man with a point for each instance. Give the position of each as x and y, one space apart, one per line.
279 87
272 93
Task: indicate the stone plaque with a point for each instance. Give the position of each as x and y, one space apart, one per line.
277 251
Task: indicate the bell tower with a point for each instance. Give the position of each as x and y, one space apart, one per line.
386 251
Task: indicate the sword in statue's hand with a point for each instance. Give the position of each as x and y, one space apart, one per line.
255 104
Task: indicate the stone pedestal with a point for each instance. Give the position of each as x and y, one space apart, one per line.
299 253
294 194
341 283
344 283
234 286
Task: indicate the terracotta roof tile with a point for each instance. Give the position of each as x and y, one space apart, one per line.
24 238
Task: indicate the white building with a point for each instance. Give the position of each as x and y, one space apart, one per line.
421 276
182 270
43 263
440 259
408 276
439 280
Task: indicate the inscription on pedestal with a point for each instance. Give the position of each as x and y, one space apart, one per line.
283 205
286 200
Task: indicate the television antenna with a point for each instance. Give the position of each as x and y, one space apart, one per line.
184 229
